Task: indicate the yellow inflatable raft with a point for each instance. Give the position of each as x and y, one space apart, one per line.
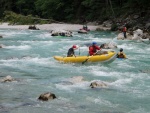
104 57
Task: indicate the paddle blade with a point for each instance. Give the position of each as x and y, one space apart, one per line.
85 61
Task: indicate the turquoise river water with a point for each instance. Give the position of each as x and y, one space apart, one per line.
27 55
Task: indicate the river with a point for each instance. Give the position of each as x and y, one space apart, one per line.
27 55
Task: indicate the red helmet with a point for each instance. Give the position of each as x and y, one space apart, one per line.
74 46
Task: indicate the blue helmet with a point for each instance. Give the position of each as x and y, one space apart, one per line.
94 43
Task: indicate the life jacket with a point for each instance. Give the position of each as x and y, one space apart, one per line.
120 55
124 29
70 52
94 48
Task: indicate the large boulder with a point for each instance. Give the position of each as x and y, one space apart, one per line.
1 36
145 36
137 34
61 33
147 26
47 96
121 37
110 45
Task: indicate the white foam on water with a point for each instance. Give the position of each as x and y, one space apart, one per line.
10 33
34 42
69 41
138 110
44 35
25 61
22 47
103 73
124 65
100 73
148 49
138 76
121 82
101 101
126 46
63 87
72 87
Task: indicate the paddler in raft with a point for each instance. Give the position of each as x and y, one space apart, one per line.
94 49
121 54
71 52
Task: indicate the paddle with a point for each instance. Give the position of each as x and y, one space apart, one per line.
89 57
86 60
79 50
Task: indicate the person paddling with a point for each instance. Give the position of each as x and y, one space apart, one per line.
121 54
71 52
93 49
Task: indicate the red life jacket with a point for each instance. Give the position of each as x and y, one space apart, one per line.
93 48
124 29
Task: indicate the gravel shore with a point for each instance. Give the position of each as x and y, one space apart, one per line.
53 26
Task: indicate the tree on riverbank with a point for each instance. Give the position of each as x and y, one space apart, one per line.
77 11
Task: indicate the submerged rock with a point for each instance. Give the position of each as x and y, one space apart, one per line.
73 80
98 84
47 96
1 36
76 79
7 79
145 71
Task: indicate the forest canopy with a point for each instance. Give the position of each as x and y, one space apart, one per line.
73 10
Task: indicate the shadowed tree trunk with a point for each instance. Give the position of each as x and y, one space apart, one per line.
112 8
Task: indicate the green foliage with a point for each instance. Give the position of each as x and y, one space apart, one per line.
50 8
114 27
18 19
69 10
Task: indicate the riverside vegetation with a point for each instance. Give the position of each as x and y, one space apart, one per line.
133 13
